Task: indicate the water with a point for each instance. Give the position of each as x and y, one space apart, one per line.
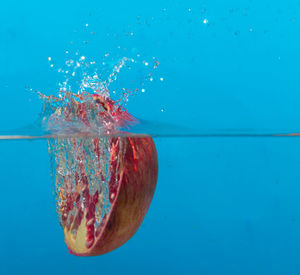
222 107
232 201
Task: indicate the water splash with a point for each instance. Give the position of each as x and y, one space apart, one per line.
81 75
85 114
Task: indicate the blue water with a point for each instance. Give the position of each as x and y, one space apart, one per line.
222 205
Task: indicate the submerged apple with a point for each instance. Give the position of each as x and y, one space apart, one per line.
104 185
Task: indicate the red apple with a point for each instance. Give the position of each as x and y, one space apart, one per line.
104 185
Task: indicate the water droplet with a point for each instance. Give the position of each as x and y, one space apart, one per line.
162 110
161 79
143 90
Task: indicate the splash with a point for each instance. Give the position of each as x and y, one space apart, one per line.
84 114
89 99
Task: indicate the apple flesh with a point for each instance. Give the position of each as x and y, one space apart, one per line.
100 215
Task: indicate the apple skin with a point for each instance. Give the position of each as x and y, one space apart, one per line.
137 174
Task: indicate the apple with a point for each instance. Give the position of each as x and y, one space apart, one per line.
104 185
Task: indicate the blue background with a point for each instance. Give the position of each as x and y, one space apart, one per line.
222 205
